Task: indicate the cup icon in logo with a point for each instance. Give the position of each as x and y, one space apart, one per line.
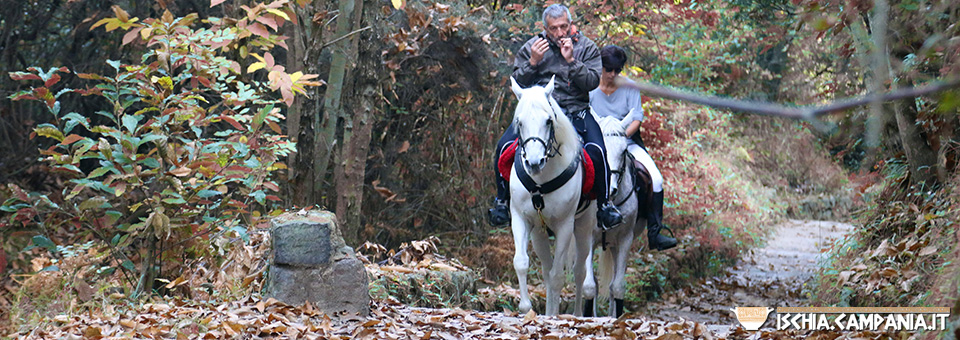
751 317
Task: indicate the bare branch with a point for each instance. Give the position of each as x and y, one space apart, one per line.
801 112
904 92
334 41
762 108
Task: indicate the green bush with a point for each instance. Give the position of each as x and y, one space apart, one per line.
188 143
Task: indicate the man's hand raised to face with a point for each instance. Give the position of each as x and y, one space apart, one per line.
537 50
566 49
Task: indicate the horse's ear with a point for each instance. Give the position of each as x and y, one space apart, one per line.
517 90
625 122
550 86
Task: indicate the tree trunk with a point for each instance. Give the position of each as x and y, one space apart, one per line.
303 117
921 159
357 131
344 51
350 173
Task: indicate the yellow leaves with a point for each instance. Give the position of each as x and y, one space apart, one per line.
286 83
278 13
255 66
164 82
121 20
398 4
49 131
145 32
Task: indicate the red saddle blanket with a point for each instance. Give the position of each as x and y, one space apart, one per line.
505 166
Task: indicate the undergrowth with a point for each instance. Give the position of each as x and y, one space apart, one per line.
903 255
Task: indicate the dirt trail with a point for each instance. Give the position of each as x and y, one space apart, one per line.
771 276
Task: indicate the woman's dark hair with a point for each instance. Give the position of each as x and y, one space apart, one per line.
613 57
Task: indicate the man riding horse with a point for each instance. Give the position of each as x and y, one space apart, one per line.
574 61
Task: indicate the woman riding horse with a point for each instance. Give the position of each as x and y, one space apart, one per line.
613 99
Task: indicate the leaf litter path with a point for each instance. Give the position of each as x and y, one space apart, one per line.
772 276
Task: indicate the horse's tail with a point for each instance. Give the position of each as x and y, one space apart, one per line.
606 274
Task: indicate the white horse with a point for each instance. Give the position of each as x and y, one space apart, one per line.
545 186
616 242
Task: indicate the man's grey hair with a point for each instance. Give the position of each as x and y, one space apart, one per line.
555 11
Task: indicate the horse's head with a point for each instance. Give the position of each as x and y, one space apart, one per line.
615 140
536 120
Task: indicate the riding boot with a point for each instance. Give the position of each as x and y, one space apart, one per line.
655 223
500 214
607 214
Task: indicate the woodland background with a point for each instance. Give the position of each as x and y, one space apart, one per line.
394 108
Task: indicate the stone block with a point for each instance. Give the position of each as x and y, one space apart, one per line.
311 262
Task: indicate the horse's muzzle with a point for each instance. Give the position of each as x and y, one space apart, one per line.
535 166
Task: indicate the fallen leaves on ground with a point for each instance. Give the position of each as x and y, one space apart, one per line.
257 318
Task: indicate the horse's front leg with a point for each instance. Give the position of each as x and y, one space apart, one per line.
541 245
618 286
557 274
521 261
583 267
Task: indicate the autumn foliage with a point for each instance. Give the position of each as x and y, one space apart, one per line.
184 148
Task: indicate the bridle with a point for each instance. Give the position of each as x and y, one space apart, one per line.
551 144
620 171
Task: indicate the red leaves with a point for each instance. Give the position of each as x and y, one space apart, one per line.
232 122
258 29
71 139
3 260
131 35
23 76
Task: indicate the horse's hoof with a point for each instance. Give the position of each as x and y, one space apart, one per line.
525 307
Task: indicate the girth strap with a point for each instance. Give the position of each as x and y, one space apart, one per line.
539 190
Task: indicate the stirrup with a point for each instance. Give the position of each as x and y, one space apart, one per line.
611 218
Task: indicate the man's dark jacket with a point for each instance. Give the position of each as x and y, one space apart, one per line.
574 81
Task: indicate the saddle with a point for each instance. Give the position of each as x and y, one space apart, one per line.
505 166
643 186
